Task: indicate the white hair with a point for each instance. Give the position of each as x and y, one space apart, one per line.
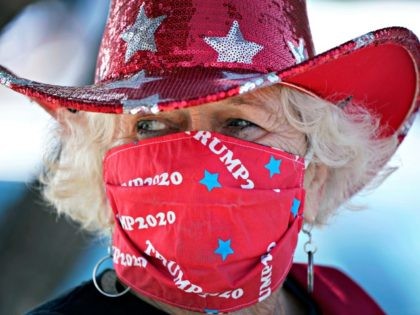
346 142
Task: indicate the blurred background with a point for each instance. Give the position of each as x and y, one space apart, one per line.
56 41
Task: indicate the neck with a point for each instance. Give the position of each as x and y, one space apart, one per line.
280 302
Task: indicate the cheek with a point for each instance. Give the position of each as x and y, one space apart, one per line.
289 140
252 134
127 127
278 132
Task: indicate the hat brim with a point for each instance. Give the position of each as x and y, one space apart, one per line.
379 70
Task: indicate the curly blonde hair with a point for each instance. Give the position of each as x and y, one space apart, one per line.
346 142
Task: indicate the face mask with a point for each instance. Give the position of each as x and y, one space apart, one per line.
204 222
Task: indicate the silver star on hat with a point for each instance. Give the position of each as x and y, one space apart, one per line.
364 40
238 76
133 82
147 105
233 47
7 79
141 35
299 52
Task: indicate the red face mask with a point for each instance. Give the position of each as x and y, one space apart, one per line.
204 222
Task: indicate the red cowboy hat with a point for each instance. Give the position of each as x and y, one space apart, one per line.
161 55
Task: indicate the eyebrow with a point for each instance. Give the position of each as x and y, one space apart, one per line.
244 100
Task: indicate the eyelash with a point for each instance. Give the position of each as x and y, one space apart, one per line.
234 123
142 131
232 126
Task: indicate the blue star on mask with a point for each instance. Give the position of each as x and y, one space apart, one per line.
210 180
273 166
295 206
224 249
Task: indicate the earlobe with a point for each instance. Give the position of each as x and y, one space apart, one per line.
315 180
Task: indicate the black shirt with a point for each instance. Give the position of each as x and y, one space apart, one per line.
85 299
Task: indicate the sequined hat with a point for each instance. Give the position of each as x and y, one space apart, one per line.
162 55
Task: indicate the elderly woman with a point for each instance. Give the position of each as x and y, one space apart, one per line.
211 135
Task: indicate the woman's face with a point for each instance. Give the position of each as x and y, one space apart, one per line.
254 119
